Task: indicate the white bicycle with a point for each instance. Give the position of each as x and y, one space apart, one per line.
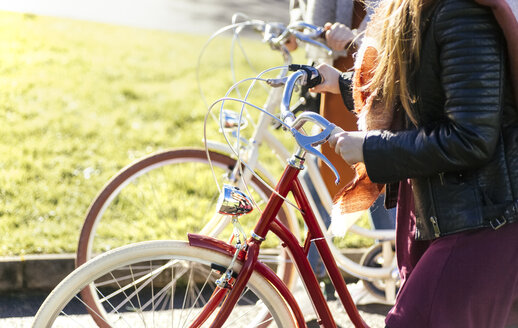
143 192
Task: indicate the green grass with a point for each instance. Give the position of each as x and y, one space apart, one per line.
80 100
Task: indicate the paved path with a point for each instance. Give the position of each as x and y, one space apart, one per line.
25 306
195 16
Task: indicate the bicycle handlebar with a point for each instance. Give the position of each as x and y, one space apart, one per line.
307 143
308 76
312 33
277 33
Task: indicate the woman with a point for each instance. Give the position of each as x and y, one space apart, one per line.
443 123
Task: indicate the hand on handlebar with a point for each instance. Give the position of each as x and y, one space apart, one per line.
348 144
329 82
291 43
338 36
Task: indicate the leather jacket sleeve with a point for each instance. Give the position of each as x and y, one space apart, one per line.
461 131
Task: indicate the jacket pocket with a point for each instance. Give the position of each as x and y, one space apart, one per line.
458 203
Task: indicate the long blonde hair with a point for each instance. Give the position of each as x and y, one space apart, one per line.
395 27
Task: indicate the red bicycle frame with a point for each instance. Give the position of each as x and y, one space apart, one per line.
268 222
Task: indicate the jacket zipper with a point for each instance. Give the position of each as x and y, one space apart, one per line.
433 218
435 224
441 177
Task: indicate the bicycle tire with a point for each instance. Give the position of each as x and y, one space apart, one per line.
161 260
142 168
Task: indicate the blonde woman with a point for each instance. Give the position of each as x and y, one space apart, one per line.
433 91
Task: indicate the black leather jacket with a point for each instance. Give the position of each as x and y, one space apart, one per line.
462 157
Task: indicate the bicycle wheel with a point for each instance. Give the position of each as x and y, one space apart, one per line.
144 199
373 258
158 284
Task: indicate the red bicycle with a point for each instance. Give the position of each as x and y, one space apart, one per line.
207 282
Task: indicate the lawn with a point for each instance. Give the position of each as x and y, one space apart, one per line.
80 100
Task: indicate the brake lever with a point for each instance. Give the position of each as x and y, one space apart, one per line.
308 142
277 82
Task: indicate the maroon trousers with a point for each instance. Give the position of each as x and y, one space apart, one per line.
468 279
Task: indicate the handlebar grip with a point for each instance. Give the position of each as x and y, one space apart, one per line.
313 75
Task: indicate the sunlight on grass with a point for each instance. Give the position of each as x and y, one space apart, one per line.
81 100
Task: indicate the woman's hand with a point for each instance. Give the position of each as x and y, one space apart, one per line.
338 36
291 44
348 144
330 77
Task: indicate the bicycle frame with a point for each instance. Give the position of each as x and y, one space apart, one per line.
268 222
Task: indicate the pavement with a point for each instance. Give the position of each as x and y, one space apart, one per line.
26 280
193 16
